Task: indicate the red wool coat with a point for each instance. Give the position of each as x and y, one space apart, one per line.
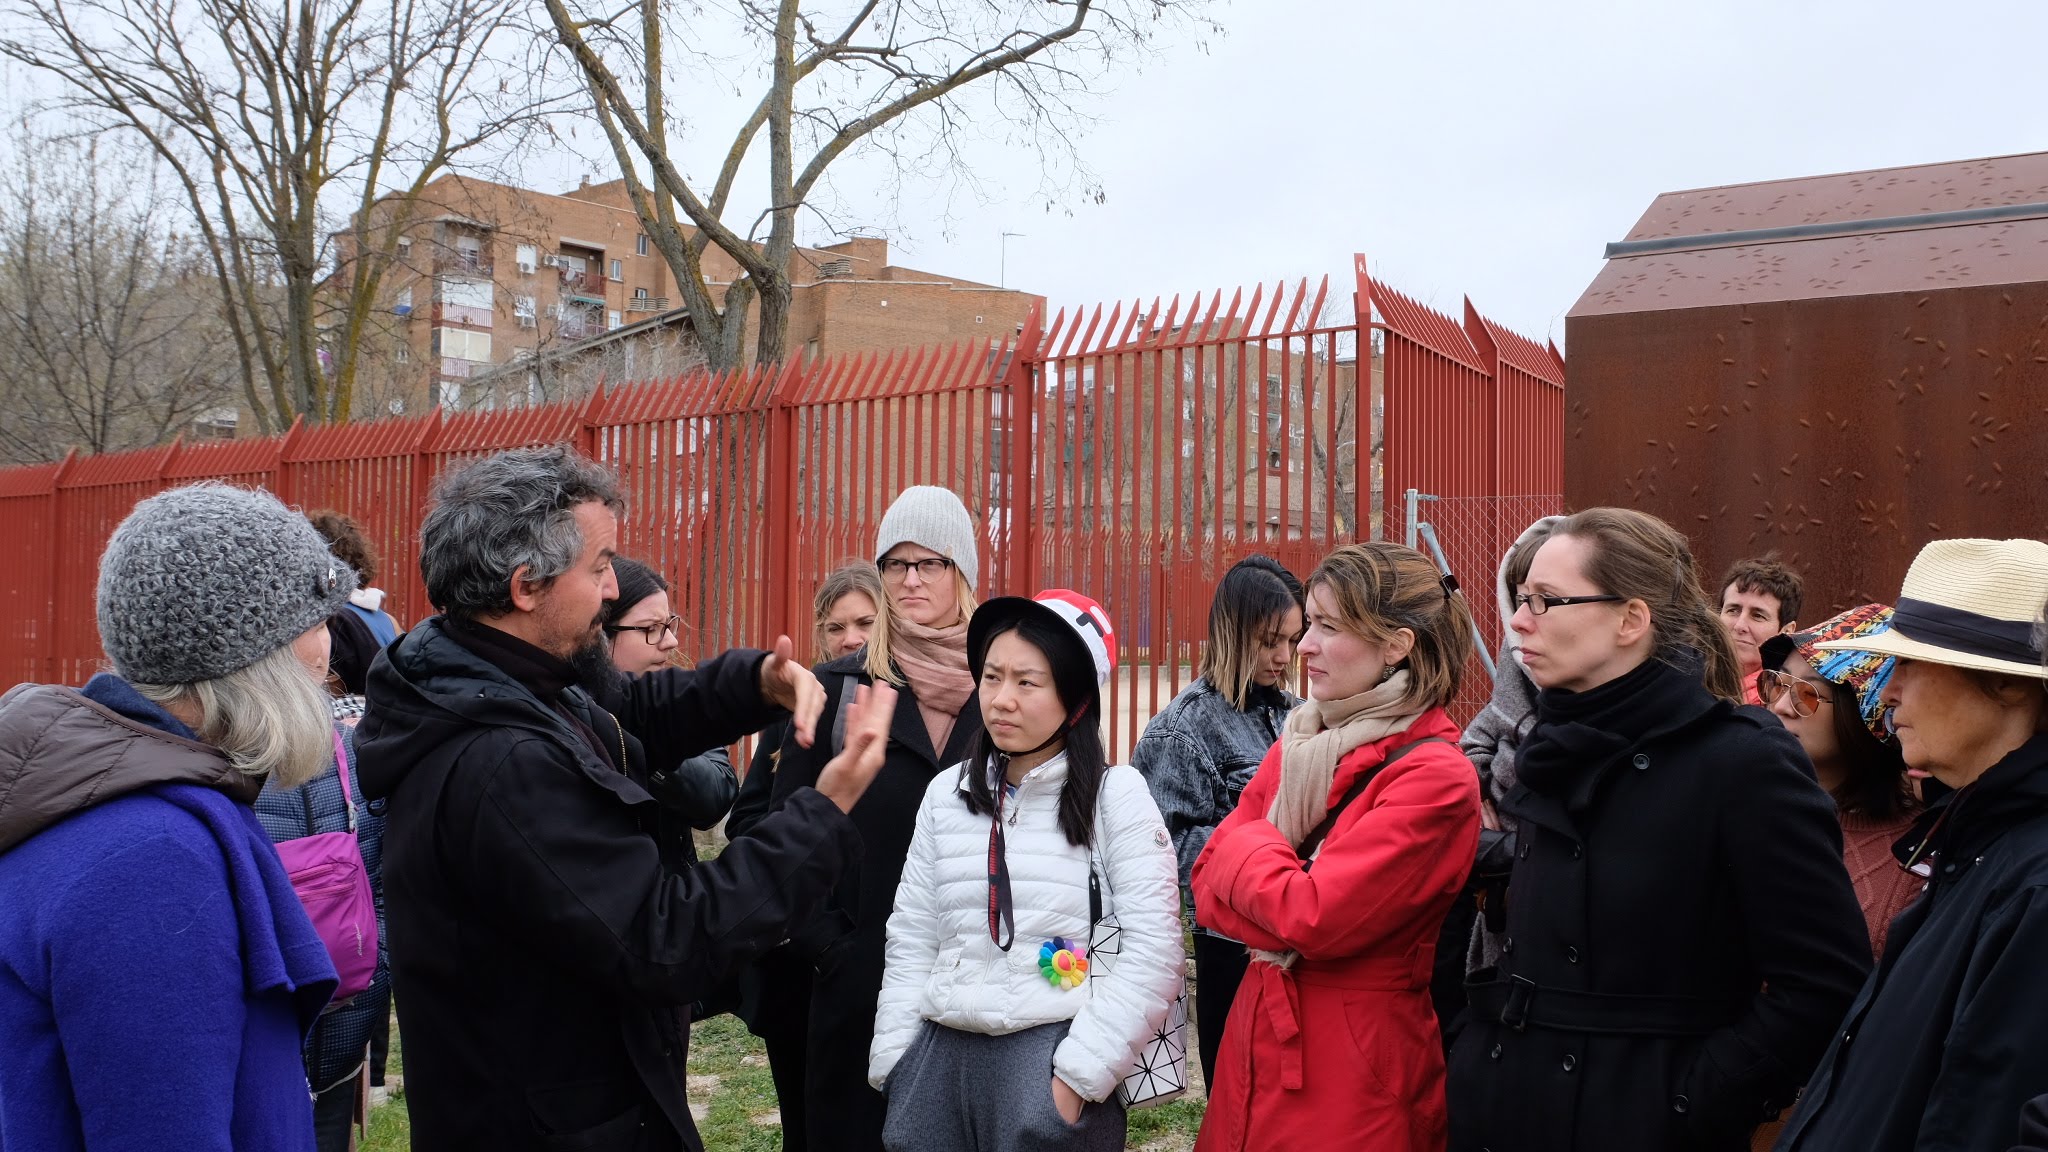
1342 1050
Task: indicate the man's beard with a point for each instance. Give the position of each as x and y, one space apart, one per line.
595 672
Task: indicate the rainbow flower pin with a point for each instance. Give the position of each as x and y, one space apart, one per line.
1063 962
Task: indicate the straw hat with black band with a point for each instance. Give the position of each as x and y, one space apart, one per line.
1967 604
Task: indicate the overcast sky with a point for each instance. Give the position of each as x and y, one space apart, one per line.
1488 149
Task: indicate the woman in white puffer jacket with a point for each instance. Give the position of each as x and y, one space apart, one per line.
991 1034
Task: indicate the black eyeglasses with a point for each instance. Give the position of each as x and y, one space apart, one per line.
672 626
1537 603
927 570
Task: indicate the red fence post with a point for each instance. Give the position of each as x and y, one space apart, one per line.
1361 407
1020 512
48 629
780 502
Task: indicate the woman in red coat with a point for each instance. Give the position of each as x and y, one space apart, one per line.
1337 869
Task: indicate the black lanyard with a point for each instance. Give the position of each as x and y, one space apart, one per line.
1002 913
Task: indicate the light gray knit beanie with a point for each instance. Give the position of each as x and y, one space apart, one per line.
932 518
205 580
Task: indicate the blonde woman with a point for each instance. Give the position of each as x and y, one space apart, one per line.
927 555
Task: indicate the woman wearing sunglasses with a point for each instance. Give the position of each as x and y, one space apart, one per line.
1681 937
1832 701
644 634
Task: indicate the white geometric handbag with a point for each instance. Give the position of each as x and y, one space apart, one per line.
1162 1072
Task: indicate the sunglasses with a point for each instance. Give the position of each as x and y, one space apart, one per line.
653 632
1806 697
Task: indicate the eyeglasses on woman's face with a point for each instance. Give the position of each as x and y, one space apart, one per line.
1538 603
930 569
653 632
1807 697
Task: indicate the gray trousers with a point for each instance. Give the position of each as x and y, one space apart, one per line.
959 1091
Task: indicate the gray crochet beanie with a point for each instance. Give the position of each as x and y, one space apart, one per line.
931 518
205 580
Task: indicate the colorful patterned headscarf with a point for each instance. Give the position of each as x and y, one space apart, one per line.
1864 673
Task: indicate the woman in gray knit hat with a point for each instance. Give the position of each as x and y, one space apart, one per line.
162 970
927 553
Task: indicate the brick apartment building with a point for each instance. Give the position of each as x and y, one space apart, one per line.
503 295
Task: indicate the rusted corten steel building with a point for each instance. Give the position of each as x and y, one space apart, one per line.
1840 368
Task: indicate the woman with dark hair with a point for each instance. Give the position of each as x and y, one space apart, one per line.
1680 933
1198 754
1338 867
642 634
1833 703
989 980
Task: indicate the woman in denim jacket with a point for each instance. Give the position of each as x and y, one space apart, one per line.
1204 746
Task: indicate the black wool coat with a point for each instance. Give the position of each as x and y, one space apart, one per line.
1681 936
1948 1040
542 948
847 941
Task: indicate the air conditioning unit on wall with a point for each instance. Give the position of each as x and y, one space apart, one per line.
550 260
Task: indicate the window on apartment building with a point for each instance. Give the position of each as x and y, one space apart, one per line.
467 293
618 269
639 293
404 248
403 353
462 344
614 323
403 304
469 251
529 259
640 244
523 307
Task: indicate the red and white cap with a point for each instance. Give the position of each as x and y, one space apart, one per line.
1083 616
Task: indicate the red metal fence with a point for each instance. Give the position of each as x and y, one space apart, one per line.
1133 452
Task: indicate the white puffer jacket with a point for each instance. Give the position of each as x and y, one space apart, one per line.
943 967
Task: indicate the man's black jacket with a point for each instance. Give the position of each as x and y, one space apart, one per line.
540 946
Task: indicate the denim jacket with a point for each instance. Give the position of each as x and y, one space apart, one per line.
1198 755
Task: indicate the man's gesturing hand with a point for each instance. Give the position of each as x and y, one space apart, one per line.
847 775
788 684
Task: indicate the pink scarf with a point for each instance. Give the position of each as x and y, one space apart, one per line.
934 660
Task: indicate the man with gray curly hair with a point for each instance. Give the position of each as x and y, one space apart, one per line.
544 954
161 972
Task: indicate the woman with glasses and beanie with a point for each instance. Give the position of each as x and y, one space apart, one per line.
1944 1046
643 633
1680 932
926 551
990 984
1338 867
1200 752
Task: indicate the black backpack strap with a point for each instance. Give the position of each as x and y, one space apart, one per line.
1316 835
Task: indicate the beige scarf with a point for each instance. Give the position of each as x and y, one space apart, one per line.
934 660
1319 734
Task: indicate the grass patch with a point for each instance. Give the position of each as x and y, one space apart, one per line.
390 1127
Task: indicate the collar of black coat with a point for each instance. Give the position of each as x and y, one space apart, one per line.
1959 826
541 672
434 690
1581 738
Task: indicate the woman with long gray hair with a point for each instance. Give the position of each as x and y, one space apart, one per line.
160 970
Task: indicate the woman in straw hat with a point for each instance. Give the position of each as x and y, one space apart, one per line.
1946 1042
